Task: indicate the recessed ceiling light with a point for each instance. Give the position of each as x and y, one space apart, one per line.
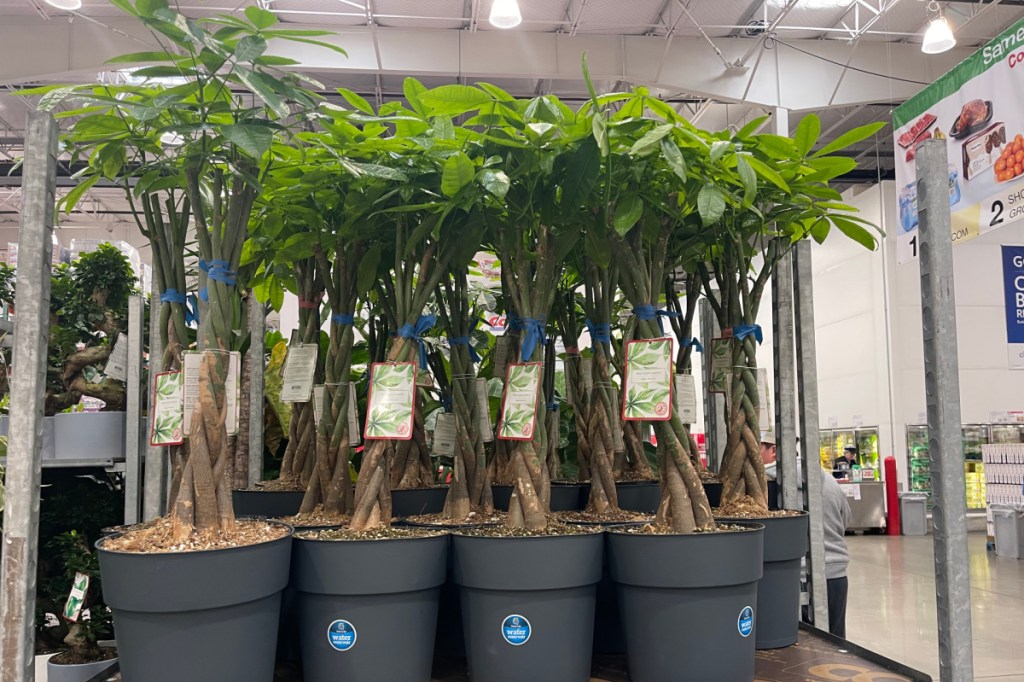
65 5
505 14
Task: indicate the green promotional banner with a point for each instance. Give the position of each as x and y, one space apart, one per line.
976 109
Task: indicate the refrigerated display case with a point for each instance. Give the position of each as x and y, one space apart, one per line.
1007 433
867 454
825 446
973 436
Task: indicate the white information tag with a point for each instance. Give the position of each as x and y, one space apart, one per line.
318 403
299 368
190 366
686 398
444 434
354 435
117 363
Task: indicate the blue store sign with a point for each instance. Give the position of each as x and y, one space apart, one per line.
1013 280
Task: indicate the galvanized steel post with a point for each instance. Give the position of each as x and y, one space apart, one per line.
714 403
133 412
154 489
807 378
31 329
257 331
942 392
784 349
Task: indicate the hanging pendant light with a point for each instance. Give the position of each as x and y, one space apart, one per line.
65 5
939 36
505 14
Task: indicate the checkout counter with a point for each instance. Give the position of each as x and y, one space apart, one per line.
867 503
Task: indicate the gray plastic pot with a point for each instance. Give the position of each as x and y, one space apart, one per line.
564 496
528 605
368 608
778 593
202 616
688 603
81 672
47 448
89 435
416 501
639 496
269 504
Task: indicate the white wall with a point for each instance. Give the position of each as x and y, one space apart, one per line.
869 339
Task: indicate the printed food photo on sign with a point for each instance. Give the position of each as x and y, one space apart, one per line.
975 109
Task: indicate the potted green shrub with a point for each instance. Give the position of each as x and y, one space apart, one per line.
195 152
87 617
93 312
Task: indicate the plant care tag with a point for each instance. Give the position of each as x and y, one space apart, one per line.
299 368
501 352
484 411
424 379
190 362
764 402
519 401
390 408
745 622
721 365
73 606
117 363
353 416
515 630
318 404
167 413
647 389
341 635
686 398
444 434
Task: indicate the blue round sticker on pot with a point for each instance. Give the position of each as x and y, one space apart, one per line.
515 629
341 635
745 623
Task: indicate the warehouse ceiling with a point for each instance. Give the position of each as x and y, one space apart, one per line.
860 44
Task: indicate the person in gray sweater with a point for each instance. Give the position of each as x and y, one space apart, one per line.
836 518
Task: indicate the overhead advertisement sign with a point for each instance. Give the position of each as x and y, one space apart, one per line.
976 108
1013 278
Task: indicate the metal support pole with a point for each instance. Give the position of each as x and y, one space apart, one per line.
133 408
784 349
942 389
154 490
257 333
807 378
24 471
714 403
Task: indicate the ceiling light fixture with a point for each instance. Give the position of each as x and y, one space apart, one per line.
65 5
505 14
939 36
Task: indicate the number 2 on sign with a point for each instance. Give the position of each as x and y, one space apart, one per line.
997 214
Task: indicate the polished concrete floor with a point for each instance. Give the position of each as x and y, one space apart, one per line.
891 606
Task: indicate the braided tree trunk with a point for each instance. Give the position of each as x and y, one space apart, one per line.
204 496
299 459
684 506
742 470
603 406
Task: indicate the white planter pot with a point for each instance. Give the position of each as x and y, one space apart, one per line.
75 673
47 449
89 435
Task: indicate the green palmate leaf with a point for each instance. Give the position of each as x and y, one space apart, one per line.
250 48
149 8
373 170
829 167
777 146
599 126
768 173
254 140
807 132
72 198
851 137
458 172
496 92
820 230
718 150
748 129
495 181
674 157
710 204
627 212
649 142
581 173
453 100
259 17
413 90
356 101
443 127
747 177
265 88
854 231
367 272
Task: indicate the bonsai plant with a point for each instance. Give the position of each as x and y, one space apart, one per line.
206 148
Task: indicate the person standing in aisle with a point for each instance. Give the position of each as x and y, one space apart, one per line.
836 517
